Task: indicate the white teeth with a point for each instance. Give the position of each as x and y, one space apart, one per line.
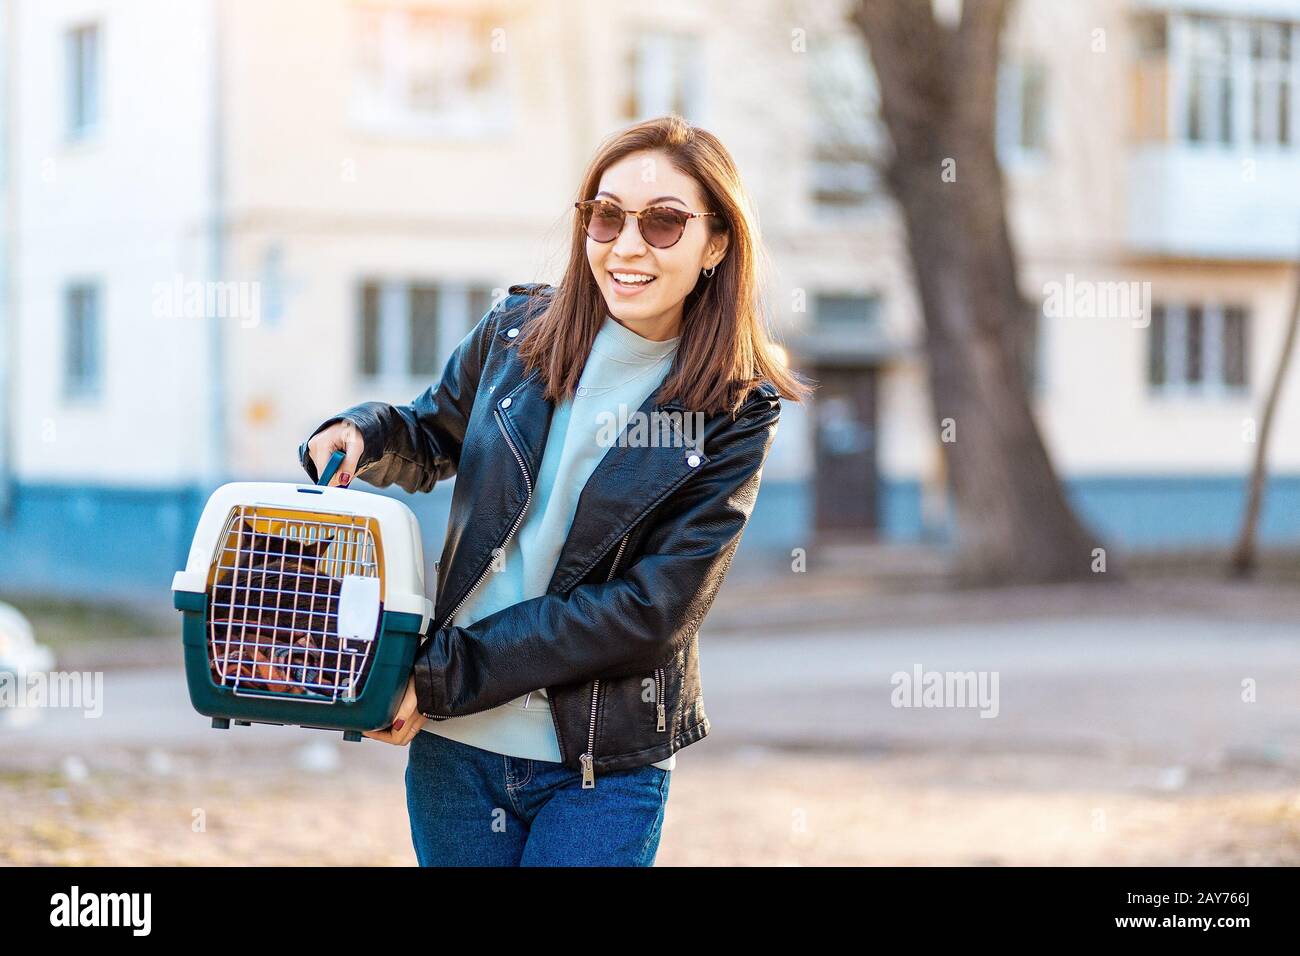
628 278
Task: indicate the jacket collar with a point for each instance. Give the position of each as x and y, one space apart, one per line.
510 331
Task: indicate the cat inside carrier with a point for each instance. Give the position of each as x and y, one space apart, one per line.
303 605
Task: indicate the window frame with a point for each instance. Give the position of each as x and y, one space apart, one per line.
390 345
1171 322
843 179
1242 80
388 106
1010 119
82 363
80 123
683 52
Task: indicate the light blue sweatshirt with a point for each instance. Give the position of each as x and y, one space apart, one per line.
622 370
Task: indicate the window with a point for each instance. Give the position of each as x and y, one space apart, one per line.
81 49
422 329
82 365
1234 79
1234 347
369 328
1197 348
1209 81
842 94
663 76
1271 78
433 72
856 313
408 329
1022 109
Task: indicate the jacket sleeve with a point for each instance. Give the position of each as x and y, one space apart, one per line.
418 444
628 625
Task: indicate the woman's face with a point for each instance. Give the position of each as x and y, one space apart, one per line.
652 309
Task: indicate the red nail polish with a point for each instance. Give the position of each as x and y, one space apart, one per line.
397 724
344 479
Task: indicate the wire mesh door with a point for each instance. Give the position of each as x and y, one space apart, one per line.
274 604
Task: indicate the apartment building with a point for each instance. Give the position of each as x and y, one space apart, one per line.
1155 149
224 221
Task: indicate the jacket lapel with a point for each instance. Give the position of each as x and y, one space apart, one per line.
527 415
632 477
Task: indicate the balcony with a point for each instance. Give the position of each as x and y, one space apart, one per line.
1185 200
1215 162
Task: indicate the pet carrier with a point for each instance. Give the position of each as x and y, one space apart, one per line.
302 605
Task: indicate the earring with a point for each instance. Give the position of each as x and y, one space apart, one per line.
710 270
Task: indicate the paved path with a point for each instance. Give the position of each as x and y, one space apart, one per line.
1163 691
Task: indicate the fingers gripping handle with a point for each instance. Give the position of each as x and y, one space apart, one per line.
331 467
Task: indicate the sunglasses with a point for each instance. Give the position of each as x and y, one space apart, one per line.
660 226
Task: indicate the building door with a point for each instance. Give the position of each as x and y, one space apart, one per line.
846 481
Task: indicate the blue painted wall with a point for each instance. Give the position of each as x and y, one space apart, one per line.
96 541
115 542
1150 513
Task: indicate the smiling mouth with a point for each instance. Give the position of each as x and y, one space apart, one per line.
631 280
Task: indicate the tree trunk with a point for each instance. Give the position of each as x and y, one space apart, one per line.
938 91
1243 559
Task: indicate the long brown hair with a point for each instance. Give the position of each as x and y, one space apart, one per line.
725 348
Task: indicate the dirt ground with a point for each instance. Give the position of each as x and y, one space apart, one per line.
750 807
1123 738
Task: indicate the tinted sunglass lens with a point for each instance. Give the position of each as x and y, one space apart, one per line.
662 227
603 221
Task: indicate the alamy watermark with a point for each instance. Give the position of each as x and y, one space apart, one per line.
633 428
74 908
1086 299
922 688
195 299
68 690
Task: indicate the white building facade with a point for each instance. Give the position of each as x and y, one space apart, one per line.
225 221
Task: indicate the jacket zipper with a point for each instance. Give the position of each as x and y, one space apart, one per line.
587 759
528 482
662 724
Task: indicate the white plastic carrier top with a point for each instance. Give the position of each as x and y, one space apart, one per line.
403 557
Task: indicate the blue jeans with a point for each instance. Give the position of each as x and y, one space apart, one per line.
472 807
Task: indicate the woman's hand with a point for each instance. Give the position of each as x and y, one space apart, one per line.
406 723
341 436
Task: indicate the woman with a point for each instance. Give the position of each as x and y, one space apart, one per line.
609 436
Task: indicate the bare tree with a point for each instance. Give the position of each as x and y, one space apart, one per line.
1244 557
938 85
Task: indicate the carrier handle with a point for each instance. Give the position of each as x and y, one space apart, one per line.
331 466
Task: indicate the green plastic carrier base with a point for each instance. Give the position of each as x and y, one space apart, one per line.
279 578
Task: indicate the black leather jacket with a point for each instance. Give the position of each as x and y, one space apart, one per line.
614 639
